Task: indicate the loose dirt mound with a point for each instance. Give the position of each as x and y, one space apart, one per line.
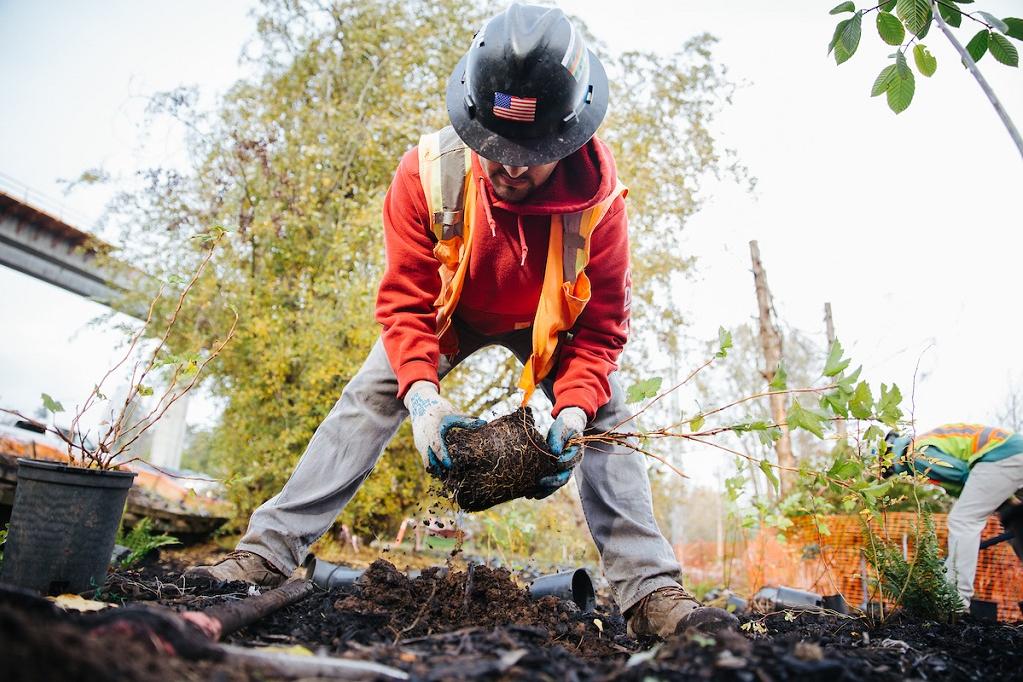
443 601
501 461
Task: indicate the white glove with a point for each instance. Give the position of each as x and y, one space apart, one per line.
571 422
574 419
431 417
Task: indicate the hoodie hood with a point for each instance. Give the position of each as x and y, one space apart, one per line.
580 181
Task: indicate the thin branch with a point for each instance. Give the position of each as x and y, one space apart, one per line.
972 66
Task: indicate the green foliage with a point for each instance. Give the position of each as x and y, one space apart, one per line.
724 342
926 64
643 390
801 418
846 38
141 540
977 46
1015 27
890 28
920 584
1003 50
779 382
835 364
50 405
914 17
902 88
3 540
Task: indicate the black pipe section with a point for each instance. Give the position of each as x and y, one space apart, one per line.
835 602
1007 535
569 585
236 615
327 575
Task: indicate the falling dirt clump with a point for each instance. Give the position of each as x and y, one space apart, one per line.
501 461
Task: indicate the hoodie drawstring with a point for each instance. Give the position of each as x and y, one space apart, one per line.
486 208
522 243
523 249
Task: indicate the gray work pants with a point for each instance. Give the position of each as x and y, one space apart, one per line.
988 485
612 481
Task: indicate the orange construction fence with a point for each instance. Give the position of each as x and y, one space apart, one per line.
834 563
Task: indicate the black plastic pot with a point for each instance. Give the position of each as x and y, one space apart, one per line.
984 610
570 585
63 526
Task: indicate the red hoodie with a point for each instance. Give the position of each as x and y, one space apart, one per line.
501 290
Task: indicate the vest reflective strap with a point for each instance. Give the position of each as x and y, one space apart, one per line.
444 162
429 174
562 297
448 300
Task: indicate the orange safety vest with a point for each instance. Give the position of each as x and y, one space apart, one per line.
445 170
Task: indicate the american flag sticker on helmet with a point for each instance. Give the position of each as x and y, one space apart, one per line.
522 109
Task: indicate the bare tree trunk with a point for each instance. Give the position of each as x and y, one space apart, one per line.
830 326
770 342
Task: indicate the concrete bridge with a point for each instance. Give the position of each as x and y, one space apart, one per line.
43 246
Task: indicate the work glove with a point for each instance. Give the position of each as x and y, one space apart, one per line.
432 416
571 422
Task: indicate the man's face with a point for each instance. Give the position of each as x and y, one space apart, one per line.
515 183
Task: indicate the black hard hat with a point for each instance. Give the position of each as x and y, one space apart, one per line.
528 91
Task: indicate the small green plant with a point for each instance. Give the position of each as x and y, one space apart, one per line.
919 583
3 539
141 540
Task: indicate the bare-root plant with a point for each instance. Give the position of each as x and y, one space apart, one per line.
114 437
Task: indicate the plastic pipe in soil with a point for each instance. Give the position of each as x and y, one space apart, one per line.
63 526
788 598
574 585
327 575
836 603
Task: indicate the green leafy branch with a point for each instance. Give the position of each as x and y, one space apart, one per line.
842 396
897 19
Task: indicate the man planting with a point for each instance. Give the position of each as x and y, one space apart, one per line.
507 228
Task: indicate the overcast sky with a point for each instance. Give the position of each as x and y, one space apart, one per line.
909 225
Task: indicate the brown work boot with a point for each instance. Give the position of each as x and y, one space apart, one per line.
671 610
240 565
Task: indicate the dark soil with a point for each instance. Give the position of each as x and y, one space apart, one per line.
479 624
40 642
501 461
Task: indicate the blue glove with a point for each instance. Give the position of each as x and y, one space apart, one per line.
442 462
570 423
432 416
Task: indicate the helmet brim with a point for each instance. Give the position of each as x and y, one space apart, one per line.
523 151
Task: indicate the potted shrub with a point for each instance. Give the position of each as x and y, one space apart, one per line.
66 514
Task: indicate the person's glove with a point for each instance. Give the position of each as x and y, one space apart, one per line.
571 422
432 416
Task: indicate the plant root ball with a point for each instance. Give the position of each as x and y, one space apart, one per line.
501 461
